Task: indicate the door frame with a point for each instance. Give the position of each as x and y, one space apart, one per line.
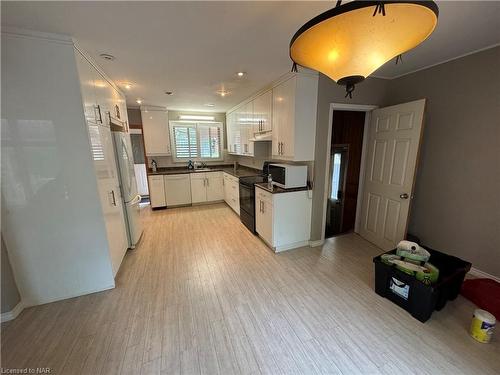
367 108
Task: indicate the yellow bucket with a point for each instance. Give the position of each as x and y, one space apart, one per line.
482 326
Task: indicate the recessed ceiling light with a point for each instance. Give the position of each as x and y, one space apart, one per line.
210 105
223 93
169 92
138 101
240 74
127 85
107 56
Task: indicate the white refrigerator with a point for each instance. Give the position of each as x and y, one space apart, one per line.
128 185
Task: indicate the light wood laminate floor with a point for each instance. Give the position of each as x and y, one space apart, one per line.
201 294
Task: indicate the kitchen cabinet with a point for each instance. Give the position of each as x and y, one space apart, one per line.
286 113
157 191
233 134
264 215
283 220
246 125
155 130
232 192
206 187
262 112
62 196
99 99
177 189
294 118
215 186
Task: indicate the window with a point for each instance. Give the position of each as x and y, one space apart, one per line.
336 162
196 141
185 142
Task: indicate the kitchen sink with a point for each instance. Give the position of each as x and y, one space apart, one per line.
202 169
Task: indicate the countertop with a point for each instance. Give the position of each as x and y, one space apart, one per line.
278 190
241 171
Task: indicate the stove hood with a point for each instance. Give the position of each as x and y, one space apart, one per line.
262 137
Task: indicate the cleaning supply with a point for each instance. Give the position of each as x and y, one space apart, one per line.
412 250
482 326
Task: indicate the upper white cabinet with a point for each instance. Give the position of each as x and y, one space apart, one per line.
155 131
294 118
263 112
287 110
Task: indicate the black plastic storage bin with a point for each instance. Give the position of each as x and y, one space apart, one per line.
418 299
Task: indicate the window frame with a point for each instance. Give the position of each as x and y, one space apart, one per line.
195 124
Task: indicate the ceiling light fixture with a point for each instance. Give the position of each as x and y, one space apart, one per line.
138 101
128 86
107 56
351 41
223 93
169 92
210 105
240 74
196 117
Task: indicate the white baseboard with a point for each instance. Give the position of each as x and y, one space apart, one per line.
481 274
316 243
12 314
291 246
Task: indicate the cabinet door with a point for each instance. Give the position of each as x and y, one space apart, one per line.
226 182
262 111
283 119
198 187
157 191
248 128
88 77
215 187
155 131
264 219
177 189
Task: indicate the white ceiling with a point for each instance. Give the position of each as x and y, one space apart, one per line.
195 48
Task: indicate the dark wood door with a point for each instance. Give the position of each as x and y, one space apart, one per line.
347 134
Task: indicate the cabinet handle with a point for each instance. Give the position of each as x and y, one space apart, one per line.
98 107
208 182
114 199
278 148
263 207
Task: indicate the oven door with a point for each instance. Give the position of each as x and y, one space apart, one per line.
247 199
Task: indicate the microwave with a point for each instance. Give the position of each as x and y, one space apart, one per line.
288 176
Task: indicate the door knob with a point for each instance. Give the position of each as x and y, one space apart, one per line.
404 196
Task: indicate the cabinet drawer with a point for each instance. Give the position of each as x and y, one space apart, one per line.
213 174
264 195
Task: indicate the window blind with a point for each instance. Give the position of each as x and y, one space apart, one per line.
185 142
209 137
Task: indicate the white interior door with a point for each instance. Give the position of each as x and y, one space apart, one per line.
393 144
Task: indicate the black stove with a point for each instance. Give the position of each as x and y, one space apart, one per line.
247 197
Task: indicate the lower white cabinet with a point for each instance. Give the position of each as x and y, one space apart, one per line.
157 191
232 192
206 187
177 189
283 220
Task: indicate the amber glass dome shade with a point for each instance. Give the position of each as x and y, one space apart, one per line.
355 39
